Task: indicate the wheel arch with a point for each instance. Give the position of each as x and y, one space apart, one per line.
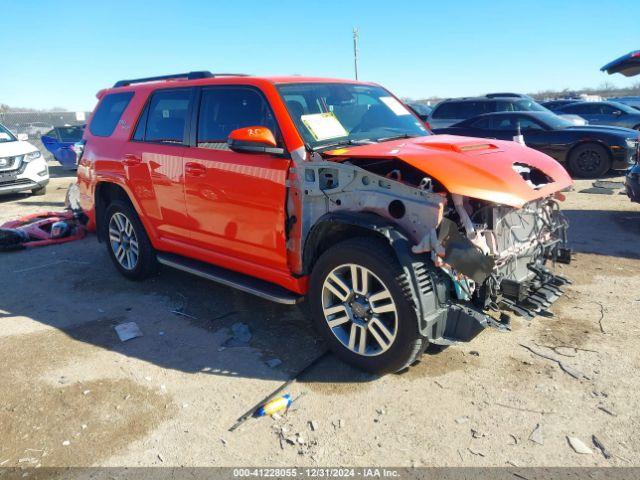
105 193
335 227
427 290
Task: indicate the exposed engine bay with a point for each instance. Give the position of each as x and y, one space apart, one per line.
488 255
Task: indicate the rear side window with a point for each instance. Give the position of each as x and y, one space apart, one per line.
461 110
108 113
483 123
225 109
448 110
583 108
165 117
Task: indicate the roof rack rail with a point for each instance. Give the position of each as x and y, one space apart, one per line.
188 76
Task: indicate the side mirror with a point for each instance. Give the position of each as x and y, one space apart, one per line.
617 113
23 137
254 140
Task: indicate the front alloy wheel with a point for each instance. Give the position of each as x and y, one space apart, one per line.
359 310
360 305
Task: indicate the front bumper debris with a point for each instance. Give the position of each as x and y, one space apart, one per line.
528 301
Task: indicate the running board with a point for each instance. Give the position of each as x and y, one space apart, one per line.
242 282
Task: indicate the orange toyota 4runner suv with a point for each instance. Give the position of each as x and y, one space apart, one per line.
289 187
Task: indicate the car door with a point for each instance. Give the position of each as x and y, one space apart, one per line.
535 134
153 161
236 201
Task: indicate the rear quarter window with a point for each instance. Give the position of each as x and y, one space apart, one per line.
461 110
448 110
108 113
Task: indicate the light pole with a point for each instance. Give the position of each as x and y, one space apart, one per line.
355 50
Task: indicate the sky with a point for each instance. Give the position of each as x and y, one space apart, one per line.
60 53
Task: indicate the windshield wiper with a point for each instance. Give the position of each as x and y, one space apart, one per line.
395 137
342 143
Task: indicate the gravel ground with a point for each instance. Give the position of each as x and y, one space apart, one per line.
72 394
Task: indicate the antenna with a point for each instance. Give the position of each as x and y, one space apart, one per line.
356 35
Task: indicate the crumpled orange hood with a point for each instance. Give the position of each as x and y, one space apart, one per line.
475 167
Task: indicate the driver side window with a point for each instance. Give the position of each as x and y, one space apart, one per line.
224 109
527 124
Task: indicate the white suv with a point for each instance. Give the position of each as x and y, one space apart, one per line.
22 166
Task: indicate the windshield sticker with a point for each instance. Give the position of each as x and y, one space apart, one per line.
323 126
4 136
395 106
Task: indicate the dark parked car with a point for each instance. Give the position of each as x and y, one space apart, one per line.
454 110
586 151
604 113
632 183
60 141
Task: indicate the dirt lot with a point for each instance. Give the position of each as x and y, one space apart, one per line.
72 394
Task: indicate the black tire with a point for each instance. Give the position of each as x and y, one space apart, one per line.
376 256
589 160
40 191
147 263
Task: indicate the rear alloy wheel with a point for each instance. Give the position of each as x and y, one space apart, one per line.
589 161
123 241
127 242
360 308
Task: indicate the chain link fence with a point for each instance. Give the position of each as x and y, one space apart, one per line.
36 124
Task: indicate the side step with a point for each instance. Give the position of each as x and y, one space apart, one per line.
247 284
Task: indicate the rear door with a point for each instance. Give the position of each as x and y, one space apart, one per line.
153 161
236 201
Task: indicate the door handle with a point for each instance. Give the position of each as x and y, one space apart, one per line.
130 160
195 169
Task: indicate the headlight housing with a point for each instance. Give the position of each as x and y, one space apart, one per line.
632 142
32 156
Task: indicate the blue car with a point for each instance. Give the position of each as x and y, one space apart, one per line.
61 142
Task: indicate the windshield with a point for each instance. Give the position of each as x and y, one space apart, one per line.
624 107
329 114
6 135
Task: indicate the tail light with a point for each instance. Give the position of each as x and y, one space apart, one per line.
426 124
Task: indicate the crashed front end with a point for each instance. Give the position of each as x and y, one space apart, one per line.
482 222
496 255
